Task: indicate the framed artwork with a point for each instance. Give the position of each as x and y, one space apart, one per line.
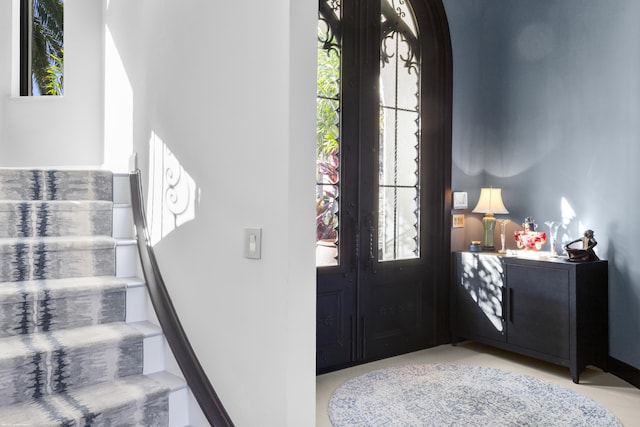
458 221
460 200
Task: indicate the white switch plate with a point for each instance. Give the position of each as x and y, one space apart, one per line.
253 243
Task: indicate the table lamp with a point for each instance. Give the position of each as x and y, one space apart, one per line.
490 203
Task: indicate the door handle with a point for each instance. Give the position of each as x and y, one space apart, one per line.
372 258
511 305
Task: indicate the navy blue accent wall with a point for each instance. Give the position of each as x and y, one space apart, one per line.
547 107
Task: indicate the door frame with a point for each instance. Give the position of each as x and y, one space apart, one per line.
436 119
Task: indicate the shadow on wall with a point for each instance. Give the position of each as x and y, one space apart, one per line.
627 310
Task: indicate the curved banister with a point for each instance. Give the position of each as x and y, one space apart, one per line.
186 358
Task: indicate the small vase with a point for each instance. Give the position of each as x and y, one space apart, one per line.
553 235
503 234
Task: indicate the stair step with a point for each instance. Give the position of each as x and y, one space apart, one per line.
126 258
132 401
68 282
55 218
56 257
47 305
123 221
40 364
50 184
121 188
178 398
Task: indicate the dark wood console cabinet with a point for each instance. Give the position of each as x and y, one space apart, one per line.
550 309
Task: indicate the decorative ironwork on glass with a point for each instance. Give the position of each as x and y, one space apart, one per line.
328 133
399 141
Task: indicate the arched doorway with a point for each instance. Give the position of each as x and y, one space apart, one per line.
383 179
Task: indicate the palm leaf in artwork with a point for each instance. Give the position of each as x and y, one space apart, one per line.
47 43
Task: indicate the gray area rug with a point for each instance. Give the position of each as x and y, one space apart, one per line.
458 395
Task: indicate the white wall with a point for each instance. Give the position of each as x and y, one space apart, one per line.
53 131
229 89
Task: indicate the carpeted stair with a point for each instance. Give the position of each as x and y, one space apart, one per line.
71 351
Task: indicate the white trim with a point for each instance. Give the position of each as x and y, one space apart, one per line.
15 49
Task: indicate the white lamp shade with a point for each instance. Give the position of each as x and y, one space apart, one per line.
490 202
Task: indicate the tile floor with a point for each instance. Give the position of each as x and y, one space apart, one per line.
619 397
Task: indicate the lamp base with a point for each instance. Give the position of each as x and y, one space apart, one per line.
489 224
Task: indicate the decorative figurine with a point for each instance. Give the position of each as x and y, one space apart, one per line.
528 237
585 253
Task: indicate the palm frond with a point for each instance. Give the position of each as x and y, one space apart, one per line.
55 76
47 42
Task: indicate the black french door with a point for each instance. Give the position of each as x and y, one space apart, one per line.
383 179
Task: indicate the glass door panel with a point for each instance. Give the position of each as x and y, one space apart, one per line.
328 137
399 141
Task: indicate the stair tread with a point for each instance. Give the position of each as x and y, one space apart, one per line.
30 289
56 257
56 304
146 328
44 363
81 336
61 242
100 399
63 205
172 381
129 281
55 184
85 336
19 218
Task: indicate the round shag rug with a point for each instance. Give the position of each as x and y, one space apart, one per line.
458 395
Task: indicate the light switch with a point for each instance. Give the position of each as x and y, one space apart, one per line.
252 243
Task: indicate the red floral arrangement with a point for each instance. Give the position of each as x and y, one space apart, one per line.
529 238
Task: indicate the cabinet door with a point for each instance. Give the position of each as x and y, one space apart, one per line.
479 292
538 309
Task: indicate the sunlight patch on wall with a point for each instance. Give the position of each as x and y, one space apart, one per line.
118 110
172 195
568 214
571 228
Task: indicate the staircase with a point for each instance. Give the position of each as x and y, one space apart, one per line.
76 348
